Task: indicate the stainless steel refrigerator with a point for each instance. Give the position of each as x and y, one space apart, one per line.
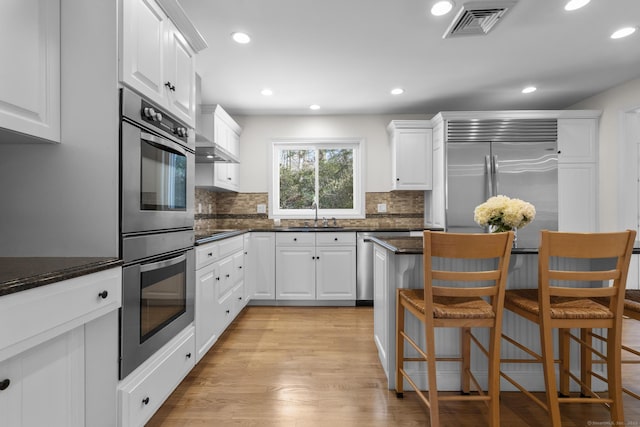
518 159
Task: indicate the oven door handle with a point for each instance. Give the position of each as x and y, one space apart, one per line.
162 264
163 142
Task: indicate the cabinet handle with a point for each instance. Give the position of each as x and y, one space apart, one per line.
103 294
4 384
239 267
145 400
397 179
218 278
227 275
210 254
317 257
313 257
188 355
295 239
228 311
335 239
240 298
171 87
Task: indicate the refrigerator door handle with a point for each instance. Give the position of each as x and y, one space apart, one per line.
494 173
489 174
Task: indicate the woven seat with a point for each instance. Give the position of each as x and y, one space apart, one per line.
632 303
561 307
450 305
567 299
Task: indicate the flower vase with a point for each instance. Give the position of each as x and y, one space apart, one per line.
502 229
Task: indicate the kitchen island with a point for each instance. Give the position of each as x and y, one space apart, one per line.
398 263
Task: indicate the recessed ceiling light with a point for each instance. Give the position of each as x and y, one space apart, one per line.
623 32
575 4
529 89
397 91
441 8
242 38
266 92
209 156
314 107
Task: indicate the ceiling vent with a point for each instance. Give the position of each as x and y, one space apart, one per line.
478 18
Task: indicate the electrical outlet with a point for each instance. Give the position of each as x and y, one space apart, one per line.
262 208
382 207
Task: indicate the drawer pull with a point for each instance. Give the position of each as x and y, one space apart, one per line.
295 239
227 275
210 254
188 355
103 294
4 384
218 278
240 298
145 400
228 311
240 267
335 239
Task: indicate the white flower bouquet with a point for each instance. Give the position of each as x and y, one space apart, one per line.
503 213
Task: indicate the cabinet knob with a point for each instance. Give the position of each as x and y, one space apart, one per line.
240 267
295 239
397 179
240 298
228 311
210 254
188 355
4 384
227 275
145 400
218 278
335 239
103 294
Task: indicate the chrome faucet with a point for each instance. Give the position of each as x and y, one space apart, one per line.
315 219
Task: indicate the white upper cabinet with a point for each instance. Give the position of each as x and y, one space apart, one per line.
411 154
30 75
156 60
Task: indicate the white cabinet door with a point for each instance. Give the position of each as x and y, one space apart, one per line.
296 273
577 197
180 76
46 385
260 274
577 140
206 304
411 156
142 48
336 273
380 303
30 75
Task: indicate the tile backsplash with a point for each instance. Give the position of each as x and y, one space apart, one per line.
221 210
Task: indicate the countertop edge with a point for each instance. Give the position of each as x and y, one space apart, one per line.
57 275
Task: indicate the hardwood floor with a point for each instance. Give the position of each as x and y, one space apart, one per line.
306 367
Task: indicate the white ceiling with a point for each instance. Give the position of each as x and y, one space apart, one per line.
346 55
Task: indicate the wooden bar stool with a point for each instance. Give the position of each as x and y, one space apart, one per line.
632 311
437 306
564 300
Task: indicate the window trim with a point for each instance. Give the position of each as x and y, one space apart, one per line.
358 211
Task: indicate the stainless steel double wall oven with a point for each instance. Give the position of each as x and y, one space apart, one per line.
157 163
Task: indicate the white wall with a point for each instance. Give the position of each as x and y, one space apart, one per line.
259 131
62 199
617 153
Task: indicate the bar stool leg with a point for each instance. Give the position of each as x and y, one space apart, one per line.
586 362
494 378
564 352
399 346
465 353
434 407
614 374
550 375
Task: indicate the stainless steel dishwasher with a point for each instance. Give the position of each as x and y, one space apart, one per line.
364 264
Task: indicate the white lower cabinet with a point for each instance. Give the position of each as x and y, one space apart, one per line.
146 388
316 266
219 290
45 385
53 339
260 274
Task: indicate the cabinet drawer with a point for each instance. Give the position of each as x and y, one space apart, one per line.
295 239
142 393
39 314
206 254
336 239
230 245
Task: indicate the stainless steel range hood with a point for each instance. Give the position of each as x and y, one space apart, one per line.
210 152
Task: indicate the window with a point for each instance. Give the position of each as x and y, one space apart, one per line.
326 172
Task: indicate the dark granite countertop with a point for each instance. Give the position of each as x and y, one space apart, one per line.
21 273
413 245
213 235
